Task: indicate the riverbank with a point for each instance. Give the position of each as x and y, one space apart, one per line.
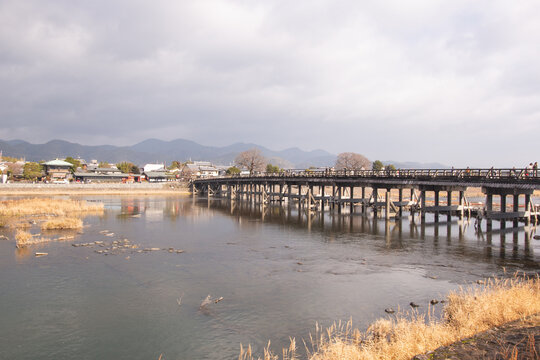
516 340
467 314
25 189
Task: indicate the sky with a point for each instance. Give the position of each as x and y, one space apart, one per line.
455 82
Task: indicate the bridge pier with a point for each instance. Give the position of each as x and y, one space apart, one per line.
503 215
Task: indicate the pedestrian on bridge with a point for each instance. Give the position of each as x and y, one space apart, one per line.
529 170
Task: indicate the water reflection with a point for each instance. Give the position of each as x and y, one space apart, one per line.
459 235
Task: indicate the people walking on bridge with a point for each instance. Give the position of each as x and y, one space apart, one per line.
535 168
529 170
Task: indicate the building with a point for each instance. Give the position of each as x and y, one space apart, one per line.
112 174
200 169
96 177
153 167
58 169
3 173
158 176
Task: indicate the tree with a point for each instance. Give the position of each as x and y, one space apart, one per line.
8 158
104 165
128 168
352 161
74 163
272 168
377 165
390 167
186 172
32 171
233 170
175 165
252 159
14 169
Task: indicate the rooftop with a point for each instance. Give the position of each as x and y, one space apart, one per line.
58 163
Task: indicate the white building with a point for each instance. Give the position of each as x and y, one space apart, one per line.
153 167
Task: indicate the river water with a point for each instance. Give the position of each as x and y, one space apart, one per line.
279 272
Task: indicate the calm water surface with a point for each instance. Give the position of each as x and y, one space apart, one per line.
279 272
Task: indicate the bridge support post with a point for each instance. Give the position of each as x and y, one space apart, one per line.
375 196
436 215
363 199
400 199
333 200
387 205
300 202
339 199
489 211
503 210
516 209
289 193
449 204
527 209
423 205
322 197
352 197
461 204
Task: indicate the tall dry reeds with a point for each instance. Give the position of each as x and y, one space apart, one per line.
45 206
23 238
468 311
62 223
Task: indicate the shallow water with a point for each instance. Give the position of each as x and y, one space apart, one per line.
278 270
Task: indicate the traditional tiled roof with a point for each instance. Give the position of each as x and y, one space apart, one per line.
156 174
96 175
57 163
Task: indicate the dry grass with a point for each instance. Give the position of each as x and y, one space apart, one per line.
21 225
43 206
23 238
467 312
62 223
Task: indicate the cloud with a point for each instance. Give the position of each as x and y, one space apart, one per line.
426 80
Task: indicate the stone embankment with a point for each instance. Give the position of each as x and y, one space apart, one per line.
95 188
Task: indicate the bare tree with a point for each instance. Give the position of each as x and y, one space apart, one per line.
252 159
352 161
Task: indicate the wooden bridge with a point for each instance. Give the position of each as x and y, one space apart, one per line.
389 192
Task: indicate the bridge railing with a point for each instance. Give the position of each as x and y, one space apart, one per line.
467 173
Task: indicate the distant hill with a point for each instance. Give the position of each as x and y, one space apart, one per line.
155 150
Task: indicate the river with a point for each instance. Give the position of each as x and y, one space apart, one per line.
278 270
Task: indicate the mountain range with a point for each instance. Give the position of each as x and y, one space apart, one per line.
159 151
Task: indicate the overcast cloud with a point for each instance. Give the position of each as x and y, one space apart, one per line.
456 82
